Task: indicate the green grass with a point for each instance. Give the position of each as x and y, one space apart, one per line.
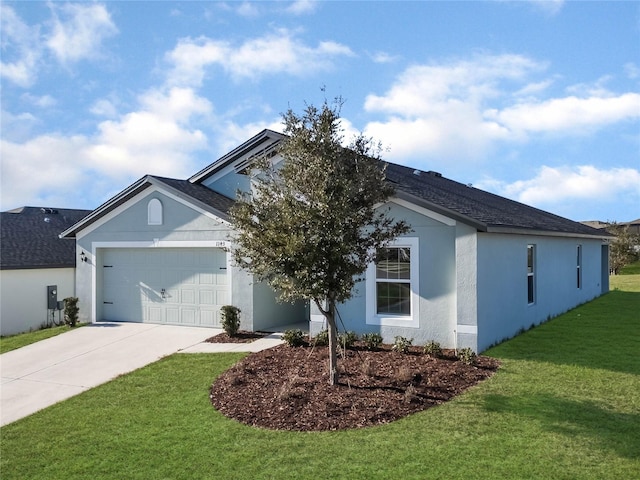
22 339
631 269
564 405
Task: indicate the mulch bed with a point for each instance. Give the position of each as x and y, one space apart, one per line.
241 337
286 388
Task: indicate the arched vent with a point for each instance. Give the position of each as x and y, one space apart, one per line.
154 212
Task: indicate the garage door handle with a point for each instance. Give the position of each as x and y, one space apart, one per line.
223 268
108 303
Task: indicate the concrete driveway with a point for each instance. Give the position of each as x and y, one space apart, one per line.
46 372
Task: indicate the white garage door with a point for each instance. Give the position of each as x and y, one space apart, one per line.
184 286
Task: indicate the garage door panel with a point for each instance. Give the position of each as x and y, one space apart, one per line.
194 282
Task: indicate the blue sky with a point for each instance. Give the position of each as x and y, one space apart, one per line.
537 101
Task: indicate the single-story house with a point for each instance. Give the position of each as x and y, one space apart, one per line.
33 257
476 268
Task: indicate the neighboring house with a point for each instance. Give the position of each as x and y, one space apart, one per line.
476 269
32 258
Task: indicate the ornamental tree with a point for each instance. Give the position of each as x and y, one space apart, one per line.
314 220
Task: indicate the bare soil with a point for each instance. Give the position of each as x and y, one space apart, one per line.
242 336
287 388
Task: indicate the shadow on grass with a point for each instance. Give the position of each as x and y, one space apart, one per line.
601 334
609 430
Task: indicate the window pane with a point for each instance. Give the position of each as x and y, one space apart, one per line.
530 295
393 263
530 258
394 298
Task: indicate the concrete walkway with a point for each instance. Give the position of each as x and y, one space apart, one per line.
44 373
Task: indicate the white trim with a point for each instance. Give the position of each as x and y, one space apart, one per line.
467 329
155 243
413 320
424 211
138 198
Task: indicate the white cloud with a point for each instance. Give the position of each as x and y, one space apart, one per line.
21 50
43 170
156 139
569 114
550 7
43 101
279 52
437 110
553 185
383 57
302 7
248 9
79 30
464 109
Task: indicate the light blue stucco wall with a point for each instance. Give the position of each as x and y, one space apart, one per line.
437 286
229 184
182 224
503 309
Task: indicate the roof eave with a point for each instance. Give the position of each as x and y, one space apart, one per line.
262 137
106 207
546 233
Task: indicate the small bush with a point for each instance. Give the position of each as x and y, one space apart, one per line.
372 340
433 349
71 310
466 355
347 339
230 319
294 337
322 338
401 344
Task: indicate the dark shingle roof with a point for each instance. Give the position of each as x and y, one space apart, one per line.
29 238
199 192
484 210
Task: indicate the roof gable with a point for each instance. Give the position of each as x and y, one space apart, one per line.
30 238
199 196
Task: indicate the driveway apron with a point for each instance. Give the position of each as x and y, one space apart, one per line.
46 372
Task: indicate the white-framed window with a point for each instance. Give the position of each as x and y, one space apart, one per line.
579 266
154 212
392 283
531 274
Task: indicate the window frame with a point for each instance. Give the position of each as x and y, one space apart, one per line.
531 274
396 320
579 266
155 212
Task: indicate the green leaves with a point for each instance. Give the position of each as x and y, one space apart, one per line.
310 226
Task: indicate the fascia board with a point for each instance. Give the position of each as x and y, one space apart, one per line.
544 233
246 149
104 209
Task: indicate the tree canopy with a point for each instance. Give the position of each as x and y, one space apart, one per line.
313 222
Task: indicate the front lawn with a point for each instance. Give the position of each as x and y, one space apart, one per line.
564 405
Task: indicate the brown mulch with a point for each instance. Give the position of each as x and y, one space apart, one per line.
286 388
241 337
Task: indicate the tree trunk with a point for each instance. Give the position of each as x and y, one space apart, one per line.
333 342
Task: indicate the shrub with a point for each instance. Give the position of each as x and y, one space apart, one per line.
71 310
433 349
372 340
466 355
401 344
230 319
322 338
347 339
294 337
